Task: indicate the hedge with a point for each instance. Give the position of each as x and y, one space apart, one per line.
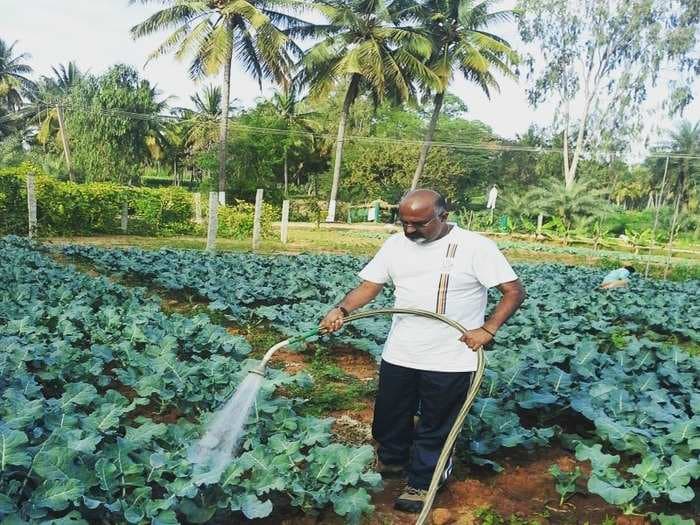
67 208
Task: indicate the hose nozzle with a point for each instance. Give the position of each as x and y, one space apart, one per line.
260 370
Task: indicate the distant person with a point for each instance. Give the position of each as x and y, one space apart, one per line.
618 278
493 195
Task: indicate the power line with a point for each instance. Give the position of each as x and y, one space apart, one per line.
482 146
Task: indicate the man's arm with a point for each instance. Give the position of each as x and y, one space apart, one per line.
513 295
355 299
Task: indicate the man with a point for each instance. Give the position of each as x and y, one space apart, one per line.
434 265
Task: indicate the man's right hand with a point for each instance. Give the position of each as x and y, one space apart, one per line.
333 320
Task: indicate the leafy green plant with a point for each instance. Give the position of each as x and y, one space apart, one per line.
67 208
236 220
101 394
638 238
565 481
488 516
552 357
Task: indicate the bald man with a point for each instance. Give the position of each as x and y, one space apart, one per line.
434 265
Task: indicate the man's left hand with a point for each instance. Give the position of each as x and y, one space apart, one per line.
477 339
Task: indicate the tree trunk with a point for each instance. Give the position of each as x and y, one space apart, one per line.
425 147
567 178
579 145
64 139
347 103
223 127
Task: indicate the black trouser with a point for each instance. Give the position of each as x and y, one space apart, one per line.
401 390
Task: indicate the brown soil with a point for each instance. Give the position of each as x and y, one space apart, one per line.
354 362
290 362
524 490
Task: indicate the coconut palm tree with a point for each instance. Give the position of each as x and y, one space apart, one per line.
50 93
14 83
685 141
460 43
214 32
208 102
366 46
287 103
64 78
198 126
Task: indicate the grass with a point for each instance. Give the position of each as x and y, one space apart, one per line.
487 516
332 388
301 240
355 241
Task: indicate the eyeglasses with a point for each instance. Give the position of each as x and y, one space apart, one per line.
416 225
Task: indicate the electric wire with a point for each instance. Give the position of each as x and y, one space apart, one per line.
481 146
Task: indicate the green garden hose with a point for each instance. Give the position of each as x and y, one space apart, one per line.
456 428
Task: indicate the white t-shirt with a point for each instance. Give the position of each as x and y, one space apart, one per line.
449 276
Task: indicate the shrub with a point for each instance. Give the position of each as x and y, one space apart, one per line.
236 221
68 208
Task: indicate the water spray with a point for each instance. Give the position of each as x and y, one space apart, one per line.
219 444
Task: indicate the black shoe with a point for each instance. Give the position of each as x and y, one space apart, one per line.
390 471
411 500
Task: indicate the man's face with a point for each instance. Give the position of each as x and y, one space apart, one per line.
423 225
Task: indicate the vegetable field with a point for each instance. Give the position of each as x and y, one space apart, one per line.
102 391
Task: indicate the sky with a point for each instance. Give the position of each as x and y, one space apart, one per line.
95 34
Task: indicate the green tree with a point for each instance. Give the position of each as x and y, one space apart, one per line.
384 171
108 142
604 58
51 95
216 31
198 127
571 205
460 42
14 82
298 124
365 48
685 142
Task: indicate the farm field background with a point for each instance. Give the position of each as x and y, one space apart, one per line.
115 357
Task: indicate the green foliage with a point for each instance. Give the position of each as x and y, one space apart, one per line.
385 170
554 355
14 80
101 394
331 388
107 143
236 220
66 208
565 481
487 516
161 211
568 205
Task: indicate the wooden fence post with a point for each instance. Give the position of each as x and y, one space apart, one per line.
540 218
256 218
31 205
285 222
